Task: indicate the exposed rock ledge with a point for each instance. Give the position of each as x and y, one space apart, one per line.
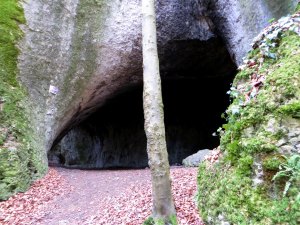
90 50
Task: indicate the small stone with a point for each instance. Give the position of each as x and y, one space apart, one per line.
225 223
209 219
272 126
257 181
248 132
295 140
292 135
53 90
287 149
220 217
195 159
281 142
12 149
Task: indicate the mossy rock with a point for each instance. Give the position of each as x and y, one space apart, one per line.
19 160
151 221
264 112
225 195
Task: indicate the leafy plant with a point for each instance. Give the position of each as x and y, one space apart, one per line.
290 170
271 20
149 221
273 162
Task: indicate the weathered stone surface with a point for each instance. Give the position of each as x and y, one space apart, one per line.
114 135
292 136
195 159
90 50
239 21
290 129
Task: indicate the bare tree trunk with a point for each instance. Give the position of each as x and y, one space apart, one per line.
163 205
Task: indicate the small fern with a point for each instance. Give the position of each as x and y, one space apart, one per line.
291 171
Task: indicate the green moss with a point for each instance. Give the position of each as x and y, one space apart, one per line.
14 174
252 132
151 221
225 193
17 160
11 14
280 87
297 8
244 74
272 162
291 109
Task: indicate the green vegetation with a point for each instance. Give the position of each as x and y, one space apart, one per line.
279 97
16 155
151 221
291 109
227 194
297 8
227 191
272 162
291 171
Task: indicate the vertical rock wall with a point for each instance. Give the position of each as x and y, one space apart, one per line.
77 54
88 51
239 21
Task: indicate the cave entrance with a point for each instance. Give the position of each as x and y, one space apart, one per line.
195 78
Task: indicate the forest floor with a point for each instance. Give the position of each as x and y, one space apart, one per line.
104 197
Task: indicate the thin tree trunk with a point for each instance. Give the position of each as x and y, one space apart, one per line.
163 205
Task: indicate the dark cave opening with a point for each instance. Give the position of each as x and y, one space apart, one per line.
194 94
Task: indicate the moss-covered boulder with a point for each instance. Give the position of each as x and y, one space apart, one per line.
257 179
20 161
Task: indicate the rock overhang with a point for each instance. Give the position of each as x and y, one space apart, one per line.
90 51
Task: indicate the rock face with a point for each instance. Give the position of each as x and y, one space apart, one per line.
114 135
239 21
78 55
195 159
90 50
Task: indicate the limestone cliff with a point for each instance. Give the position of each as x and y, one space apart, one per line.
89 50
75 55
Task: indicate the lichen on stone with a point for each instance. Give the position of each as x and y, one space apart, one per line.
262 126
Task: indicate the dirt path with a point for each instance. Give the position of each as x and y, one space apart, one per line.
90 187
103 197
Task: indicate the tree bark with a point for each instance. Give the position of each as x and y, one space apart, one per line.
163 205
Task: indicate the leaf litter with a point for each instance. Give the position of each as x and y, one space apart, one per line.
25 208
131 206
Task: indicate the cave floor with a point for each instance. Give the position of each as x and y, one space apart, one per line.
108 197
